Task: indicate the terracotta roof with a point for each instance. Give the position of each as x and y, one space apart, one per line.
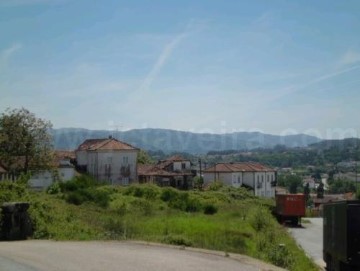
176 158
239 167
104 144
61 154
154 170
143 169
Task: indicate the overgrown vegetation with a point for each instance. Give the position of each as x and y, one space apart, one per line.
225 219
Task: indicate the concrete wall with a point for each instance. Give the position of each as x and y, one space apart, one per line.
224 177
81 158
178 166
66 173
259 181
107 165
41 179
263 186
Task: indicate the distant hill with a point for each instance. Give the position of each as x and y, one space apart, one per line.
347 143
180 141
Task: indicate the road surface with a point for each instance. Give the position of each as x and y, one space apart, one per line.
124 256
310 238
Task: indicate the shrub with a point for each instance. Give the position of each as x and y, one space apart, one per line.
142 191
259 218
280 255
177 240
193 205
79 182
143 206
12 191
54 188
210 209
169 194
76 198
215 186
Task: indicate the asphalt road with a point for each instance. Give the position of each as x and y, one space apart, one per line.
124 256
310 238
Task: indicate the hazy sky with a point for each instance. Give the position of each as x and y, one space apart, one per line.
204 66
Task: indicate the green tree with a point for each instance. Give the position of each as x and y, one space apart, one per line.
25 141
144 158
291 182
307 193
198 182
320 191
340 186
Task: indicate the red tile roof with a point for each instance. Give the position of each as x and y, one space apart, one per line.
60 155
176 158
238 167
104 144
151 170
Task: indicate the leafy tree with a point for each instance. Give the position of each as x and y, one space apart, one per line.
320 191
291 182
198 182
25 141
307 193
144 158
341 186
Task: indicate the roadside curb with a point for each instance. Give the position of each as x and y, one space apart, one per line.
263 266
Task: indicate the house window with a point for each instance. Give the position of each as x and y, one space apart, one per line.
183 165
258 178
107 170
125 160
262 178
125 181
268 178
238 179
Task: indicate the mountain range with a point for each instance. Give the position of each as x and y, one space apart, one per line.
180 141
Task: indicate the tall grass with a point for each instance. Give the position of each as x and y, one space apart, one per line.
237 221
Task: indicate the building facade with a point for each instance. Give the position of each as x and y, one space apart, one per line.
109 160
261 179
174 171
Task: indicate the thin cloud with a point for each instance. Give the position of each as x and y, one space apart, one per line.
319 79
161 61
191 27
7 53
350 57
16 3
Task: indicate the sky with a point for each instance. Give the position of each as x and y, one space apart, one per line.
279 67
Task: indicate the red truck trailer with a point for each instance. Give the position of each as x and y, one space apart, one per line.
290 207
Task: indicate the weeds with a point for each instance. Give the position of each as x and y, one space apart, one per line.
224 219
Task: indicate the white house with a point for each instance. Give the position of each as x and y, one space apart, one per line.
260 178
63 170
175 171
109 160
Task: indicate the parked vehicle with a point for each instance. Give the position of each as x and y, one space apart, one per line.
290 208
341 241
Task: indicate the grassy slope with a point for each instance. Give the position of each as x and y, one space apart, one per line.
242 223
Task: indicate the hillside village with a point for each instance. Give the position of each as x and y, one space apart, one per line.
115 162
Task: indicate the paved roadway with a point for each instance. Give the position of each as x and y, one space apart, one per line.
124 256
310 238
